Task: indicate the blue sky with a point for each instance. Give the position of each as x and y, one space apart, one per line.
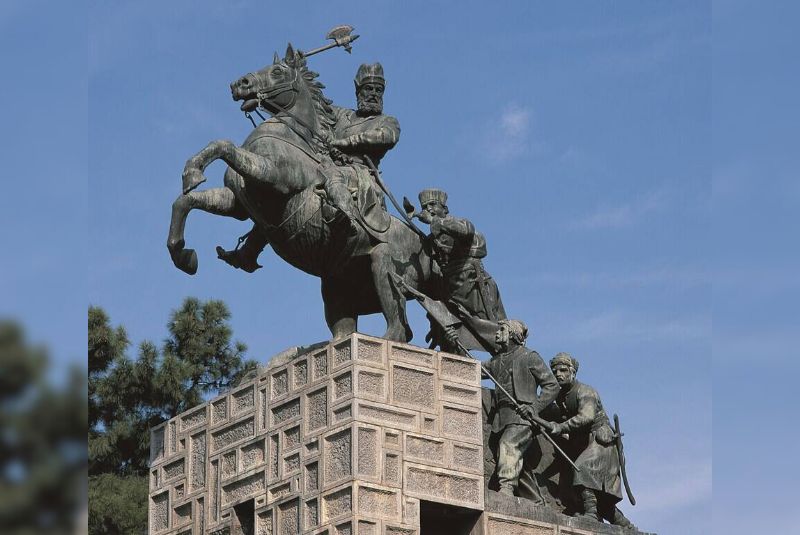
756 266
44 204
613 169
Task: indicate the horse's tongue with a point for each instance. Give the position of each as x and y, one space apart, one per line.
249 105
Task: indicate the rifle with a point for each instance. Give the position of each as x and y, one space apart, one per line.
439 313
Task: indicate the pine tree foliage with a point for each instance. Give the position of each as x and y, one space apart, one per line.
42 448
129 396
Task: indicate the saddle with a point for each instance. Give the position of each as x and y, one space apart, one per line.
368 202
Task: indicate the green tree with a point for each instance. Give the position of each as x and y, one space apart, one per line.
42 448
129 396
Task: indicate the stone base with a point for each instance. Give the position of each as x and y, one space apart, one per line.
505 515
361 436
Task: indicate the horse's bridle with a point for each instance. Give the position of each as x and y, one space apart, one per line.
279 89
268 97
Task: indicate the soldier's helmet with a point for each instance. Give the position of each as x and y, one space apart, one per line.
370 73
432 194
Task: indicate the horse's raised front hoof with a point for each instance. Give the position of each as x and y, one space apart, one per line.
192 177
185 260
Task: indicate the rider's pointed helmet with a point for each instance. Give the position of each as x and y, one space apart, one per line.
370 73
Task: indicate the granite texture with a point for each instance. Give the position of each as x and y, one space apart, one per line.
346 437
352 437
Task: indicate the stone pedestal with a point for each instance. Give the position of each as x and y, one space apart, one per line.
363 436
347 438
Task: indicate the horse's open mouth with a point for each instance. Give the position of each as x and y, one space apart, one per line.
249 105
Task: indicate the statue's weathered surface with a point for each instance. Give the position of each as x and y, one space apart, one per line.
347 437
281 179
588 437
308 180
524 375
350 190
465 285
361 134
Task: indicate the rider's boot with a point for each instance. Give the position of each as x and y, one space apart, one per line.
239 258
246 257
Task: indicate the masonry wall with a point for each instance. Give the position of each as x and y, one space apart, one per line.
341 440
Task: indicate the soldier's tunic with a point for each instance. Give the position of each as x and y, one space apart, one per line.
373 136
525 376
590 440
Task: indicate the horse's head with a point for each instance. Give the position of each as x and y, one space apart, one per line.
278 83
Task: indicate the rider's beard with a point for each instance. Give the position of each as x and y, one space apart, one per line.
370 108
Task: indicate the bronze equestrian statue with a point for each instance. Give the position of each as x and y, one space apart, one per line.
278 178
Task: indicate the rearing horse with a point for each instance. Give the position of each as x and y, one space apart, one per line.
276 180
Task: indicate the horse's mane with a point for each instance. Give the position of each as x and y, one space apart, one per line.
322 104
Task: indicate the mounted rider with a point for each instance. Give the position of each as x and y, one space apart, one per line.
351 192
360 134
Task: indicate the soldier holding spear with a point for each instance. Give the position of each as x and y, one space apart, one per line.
525 386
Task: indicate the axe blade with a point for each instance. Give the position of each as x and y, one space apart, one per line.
339 32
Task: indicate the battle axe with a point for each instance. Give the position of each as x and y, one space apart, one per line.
341 36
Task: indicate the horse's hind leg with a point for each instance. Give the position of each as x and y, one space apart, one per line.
219 201
339 315
393 305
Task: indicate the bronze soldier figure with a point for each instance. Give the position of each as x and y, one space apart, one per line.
471 292
521 372
459 250
580 418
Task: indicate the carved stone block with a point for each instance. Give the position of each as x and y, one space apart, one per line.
414 387
459 369
289 517
193 418
368 453
159 512
219 411
198 461
232 434
444 486
249 486
337 503
338 456
378 502
316 416
243 400
462 423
